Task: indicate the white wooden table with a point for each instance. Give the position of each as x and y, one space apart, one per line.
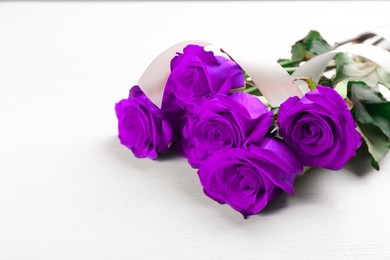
69 190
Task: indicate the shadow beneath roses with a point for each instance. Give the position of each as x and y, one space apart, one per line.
307 185
170 168
176 174
303 191
275 205
168 156
360 165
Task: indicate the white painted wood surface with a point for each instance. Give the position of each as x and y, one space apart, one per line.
69 190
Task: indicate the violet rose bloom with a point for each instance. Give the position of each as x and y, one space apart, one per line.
140 125
197 73
223 122
248 178
319 127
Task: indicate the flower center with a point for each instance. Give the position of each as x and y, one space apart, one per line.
215 134
244 184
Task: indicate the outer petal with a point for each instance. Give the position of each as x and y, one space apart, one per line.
283 164
225 76
261 127
254 106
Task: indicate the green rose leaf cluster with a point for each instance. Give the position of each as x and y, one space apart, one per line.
372 114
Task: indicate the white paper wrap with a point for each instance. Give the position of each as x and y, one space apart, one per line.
272 80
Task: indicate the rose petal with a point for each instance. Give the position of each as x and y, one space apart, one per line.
254 106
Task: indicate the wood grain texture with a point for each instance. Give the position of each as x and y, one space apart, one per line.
69 190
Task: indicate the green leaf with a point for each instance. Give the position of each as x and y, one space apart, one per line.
341 60
297 52
383 76
319 46
372 115
380 114
311 45
311 84
305 170
370 107
360 70
324 81
341 88
377 143
375 164
286 63
312 35
364 93
246 76
314 44
252 90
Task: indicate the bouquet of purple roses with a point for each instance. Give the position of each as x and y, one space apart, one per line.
248 151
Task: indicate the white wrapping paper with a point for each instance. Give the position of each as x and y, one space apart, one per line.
272 80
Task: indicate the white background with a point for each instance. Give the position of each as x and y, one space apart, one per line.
69 190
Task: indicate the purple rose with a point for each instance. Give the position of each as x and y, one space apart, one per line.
223 122
140 125
247 179
197 73
320 128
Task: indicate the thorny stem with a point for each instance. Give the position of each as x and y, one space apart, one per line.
358 39
361 39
